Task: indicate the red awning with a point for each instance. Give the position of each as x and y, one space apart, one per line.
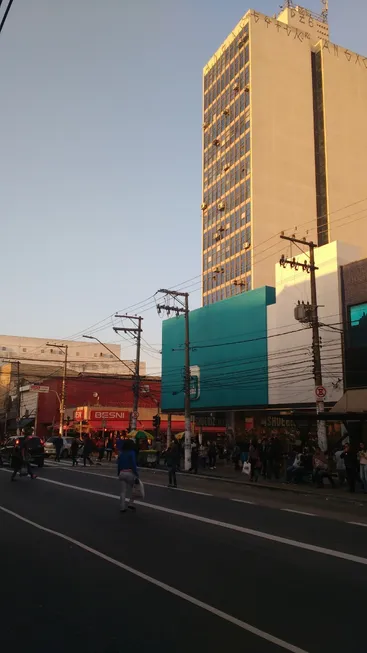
115 425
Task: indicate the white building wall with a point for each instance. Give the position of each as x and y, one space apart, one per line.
290 356
83 356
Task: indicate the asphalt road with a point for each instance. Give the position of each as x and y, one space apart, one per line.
188 570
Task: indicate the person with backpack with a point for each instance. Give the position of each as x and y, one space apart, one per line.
87 450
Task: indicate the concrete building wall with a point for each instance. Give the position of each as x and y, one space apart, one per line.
82 356
290 355
345 105
282 138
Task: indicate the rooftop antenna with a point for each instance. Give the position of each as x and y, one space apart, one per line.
325 10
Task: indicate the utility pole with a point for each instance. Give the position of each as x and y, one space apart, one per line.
63 386
309 314
18 397
184 308
136 331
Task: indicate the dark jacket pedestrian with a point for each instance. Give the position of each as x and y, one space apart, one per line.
212 455
87 450
351 466
109 447
194 459
74 451
172 461
254 460
19 458
59 443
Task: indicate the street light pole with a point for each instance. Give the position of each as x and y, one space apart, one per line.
63 387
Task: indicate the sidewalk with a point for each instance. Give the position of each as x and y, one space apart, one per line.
227 474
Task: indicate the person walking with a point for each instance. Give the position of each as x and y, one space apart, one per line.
172 461
362 457
351 463
212 454
87 450
100 448
194 459
127 473
321 468
74 451
109 447
254 460
340 467
59 443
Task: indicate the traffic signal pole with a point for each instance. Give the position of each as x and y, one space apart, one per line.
310 268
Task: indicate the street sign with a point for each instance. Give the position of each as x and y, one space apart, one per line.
39 388
135 414
320 392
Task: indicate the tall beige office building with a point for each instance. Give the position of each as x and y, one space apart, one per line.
284 146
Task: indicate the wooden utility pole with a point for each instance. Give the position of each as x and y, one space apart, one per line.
63 348
311 317
184 309
136 331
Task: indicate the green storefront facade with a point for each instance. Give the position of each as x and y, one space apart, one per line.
228 355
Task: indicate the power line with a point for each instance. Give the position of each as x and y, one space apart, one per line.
5 14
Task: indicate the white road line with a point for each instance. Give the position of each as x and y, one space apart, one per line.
213 522
97 474
299 512
357 523
252 503
167 588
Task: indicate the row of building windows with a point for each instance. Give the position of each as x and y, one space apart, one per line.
215 166
58 351
226 291
239 149
231 103
227 226
228 99
227 248
227 132
236 48
233 269
240 217
234 175
230 200
226 93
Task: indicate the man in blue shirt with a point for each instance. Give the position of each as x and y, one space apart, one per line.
127 473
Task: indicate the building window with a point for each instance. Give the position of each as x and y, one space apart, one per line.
42 351
3 348
77 353
51 351
24 348
95 355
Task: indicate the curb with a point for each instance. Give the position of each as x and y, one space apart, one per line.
279 488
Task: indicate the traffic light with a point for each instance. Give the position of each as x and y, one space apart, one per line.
156 421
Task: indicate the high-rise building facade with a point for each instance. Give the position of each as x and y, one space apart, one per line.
284 146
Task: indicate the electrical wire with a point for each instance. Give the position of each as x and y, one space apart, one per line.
5 14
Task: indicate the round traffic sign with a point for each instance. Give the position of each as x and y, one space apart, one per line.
135 413
320 392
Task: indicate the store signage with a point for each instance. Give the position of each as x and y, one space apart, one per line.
79 415
110 415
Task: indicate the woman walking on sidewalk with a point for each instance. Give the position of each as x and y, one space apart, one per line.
127 473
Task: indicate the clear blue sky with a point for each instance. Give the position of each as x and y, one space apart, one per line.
100 158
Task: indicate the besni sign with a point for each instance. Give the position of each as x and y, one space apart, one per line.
110 415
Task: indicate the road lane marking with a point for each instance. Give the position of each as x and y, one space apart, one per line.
357 523
252 503
299 512
110 476
213 522
167 588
